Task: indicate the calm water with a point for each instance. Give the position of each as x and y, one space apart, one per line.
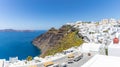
19 44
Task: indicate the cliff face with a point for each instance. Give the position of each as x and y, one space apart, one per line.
52 38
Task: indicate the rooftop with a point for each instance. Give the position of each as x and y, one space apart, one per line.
103 61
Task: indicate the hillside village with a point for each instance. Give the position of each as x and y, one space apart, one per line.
100 40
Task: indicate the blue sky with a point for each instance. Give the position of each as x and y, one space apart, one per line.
44 14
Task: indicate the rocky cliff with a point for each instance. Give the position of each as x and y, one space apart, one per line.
55 40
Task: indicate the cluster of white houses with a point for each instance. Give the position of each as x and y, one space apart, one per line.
101 39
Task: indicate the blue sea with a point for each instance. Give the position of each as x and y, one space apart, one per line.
18 44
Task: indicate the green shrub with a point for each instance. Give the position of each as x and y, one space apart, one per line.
29 58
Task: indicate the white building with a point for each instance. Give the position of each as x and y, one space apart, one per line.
90 47
1 63
103 61
114 48
13 59
104 21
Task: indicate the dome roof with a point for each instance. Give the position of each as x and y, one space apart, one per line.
115 40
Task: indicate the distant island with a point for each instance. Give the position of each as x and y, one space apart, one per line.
13 30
